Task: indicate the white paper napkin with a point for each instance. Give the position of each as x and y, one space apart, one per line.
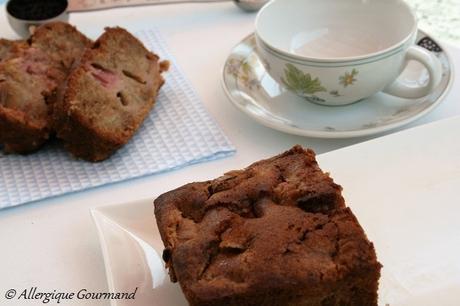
178 132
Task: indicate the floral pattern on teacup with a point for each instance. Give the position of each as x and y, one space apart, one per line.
300 82
314 99
303 84
335 93
349 78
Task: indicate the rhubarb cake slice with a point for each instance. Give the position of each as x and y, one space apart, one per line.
275 233
108 95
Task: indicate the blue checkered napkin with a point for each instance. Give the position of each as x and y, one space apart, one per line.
178 132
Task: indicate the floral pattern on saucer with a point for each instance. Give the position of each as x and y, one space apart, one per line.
252 90
242 71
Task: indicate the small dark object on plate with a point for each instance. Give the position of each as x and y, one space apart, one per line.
36 9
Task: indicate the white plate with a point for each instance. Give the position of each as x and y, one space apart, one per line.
404 189
253 91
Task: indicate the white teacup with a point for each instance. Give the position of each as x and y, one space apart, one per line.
336 52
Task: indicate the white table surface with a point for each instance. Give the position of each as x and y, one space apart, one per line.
52 244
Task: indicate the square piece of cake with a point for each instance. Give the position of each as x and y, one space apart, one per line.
275 233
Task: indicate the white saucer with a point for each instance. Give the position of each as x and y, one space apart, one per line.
253 91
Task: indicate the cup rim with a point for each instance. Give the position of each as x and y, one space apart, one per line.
341 63
335 59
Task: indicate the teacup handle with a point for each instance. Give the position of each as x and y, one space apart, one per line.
432 64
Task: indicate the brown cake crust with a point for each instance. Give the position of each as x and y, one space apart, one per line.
5 47
8 47
107 96
275 233
29 77
62 42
